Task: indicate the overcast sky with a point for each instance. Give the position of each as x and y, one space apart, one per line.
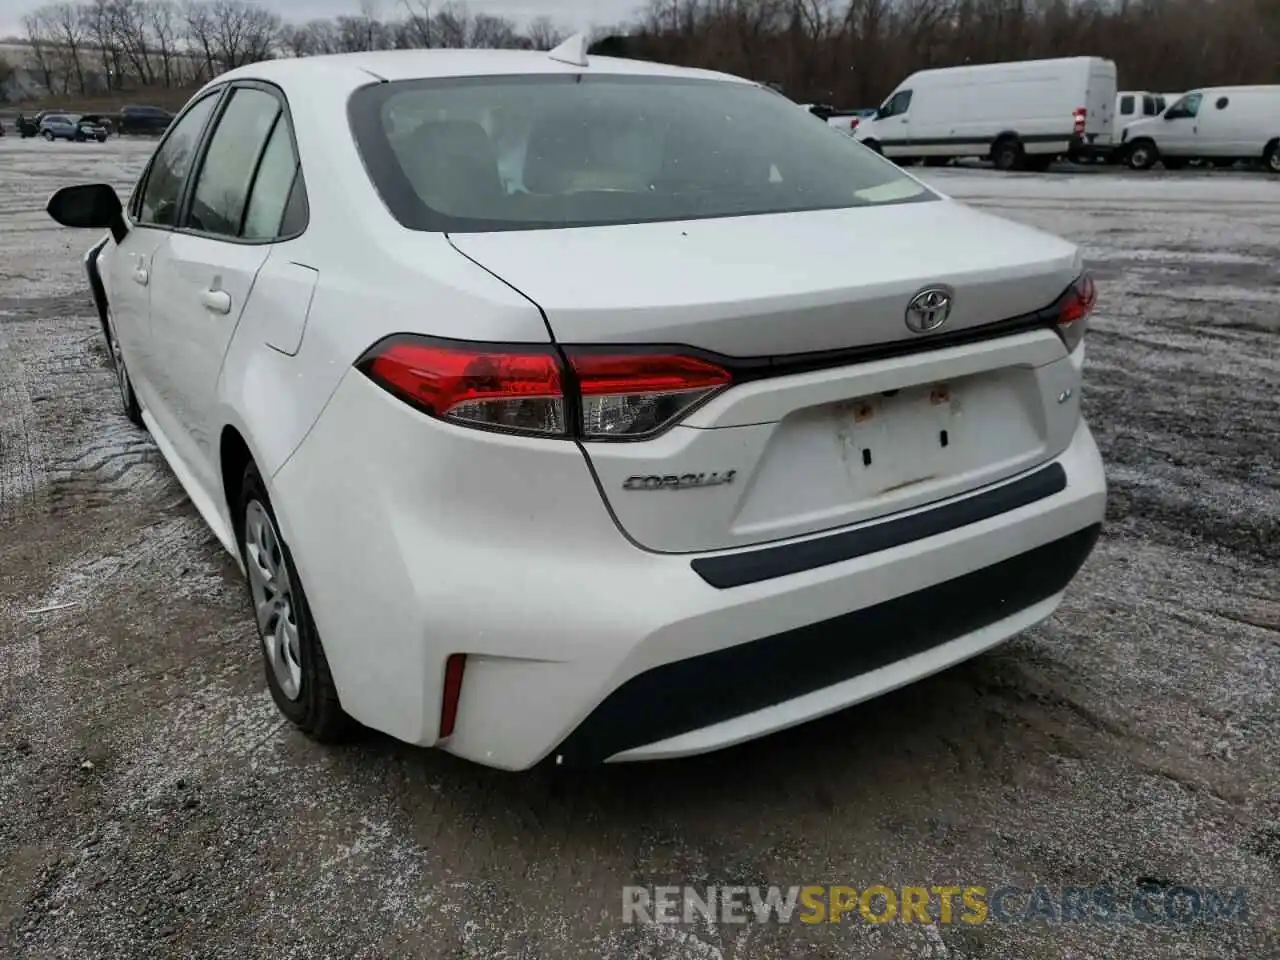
573 14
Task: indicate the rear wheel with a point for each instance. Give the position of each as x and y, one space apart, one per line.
1143 155
128 399
874 146
297 671
48 135
1271 157
1007 154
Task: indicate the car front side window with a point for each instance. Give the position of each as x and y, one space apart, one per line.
162 191
1186 108
898 104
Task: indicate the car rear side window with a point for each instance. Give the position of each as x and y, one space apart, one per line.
272 187
566 150
168 172
222 186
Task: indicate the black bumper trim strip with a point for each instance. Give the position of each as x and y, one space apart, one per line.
700 691
737 569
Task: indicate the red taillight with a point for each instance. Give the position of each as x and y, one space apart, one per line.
626 396
452 692
1078 119
516 388
1074 309
617 395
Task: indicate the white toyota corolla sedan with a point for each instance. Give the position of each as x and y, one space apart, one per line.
568 409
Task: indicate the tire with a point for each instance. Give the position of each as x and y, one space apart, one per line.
1142 155
1007 155
293 658
128 399
873 146
48 135
1271 158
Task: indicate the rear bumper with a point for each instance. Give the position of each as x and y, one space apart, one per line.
707 701
582 647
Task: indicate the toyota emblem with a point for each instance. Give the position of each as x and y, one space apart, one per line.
929 309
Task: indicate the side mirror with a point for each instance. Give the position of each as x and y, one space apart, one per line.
88 205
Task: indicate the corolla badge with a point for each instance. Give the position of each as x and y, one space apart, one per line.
929 309
684 481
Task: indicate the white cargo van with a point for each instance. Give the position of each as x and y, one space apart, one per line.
1131 105
1212 123
1134 105
1021 114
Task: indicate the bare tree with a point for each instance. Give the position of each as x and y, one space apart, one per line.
493 33
543 34
450 27
242 32
200 35
38 38
99 24
131 20
163 20
67 31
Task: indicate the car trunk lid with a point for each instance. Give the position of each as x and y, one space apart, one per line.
835 442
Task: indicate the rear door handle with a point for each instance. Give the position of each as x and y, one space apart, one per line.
219 301
140 276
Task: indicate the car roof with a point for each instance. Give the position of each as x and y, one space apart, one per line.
363 68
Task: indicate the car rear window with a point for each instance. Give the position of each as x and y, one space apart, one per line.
524 152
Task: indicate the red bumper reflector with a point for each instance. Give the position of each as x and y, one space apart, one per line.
453 669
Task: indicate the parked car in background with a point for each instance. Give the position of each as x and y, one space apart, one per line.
846 121
647 376
144 119
1020 115
70 126
1217 124
99 120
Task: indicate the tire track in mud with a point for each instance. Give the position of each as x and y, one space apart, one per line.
23 451
119 463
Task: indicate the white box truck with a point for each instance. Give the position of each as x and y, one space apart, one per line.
1020 115
1219 124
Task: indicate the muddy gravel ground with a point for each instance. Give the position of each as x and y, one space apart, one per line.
153 804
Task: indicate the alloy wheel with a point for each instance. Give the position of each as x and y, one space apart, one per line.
117 361
273 600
